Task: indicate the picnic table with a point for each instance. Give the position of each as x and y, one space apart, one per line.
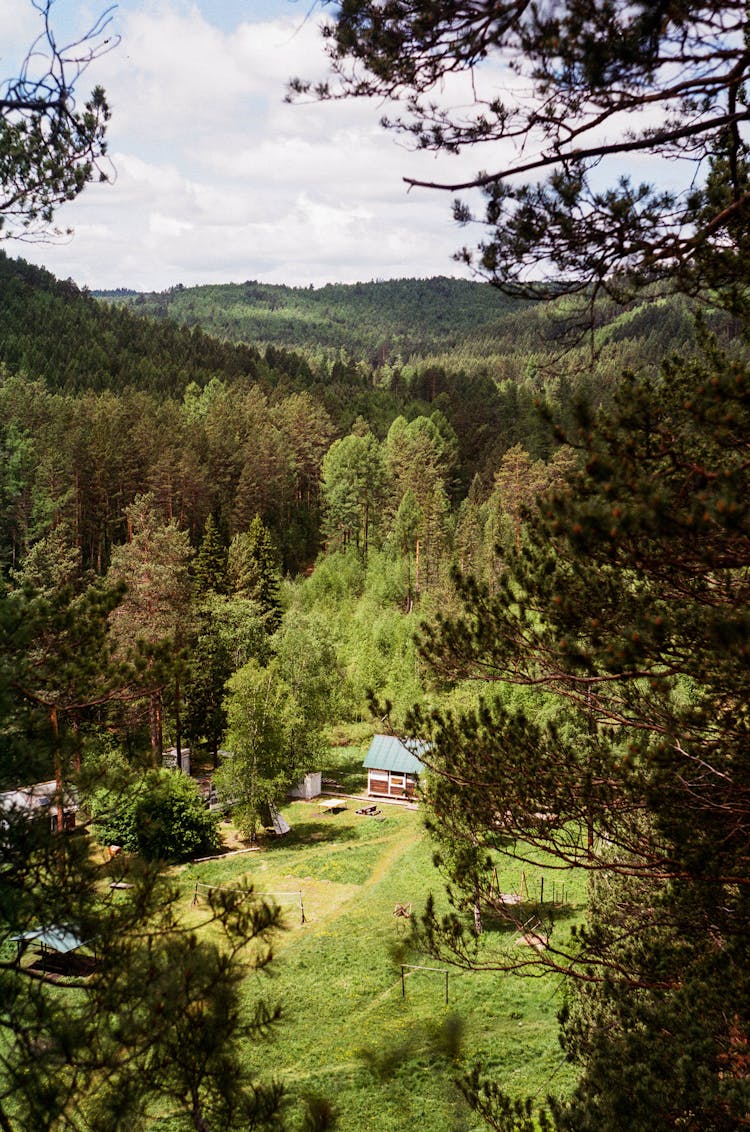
331 805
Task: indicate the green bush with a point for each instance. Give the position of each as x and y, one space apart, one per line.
160 816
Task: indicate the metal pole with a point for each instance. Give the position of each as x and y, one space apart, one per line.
403 982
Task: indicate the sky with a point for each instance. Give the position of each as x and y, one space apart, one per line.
215 178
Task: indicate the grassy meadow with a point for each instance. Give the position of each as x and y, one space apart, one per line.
388 1061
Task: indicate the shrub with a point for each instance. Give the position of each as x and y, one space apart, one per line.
160 816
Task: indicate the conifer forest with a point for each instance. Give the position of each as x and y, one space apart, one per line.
502 519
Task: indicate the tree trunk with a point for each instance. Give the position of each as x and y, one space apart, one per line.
58 769
76 743
155 724
177 726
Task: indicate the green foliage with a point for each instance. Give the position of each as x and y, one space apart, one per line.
146 1013
367 627
160 815
254 572
211 433
390 318
354 484
627 604
230 632
57 331
50 148
338 578
152 622
560 214
210 563
267 744
306 654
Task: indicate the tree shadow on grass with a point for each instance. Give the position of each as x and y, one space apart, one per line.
528 916
305 834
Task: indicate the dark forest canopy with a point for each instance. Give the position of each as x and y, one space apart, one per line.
51 329
364 340
101 403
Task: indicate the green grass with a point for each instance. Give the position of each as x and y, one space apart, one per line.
388 1061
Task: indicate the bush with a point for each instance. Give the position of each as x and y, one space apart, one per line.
161 816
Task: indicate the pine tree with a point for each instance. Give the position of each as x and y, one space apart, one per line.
255 571
629 609
154 1015
560 213
210 563
51 147
153 621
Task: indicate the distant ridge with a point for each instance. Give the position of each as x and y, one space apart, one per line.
369 336
377 321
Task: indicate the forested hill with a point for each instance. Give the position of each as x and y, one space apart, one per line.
342 337
372 321
99 404
457 323
51 329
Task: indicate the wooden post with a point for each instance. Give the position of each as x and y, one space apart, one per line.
403 982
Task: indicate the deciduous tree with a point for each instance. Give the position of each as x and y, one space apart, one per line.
354 481
264 756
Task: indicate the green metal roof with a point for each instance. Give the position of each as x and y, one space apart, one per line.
386 752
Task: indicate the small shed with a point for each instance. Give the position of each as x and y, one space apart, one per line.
172 761
310 786
393 769
41 799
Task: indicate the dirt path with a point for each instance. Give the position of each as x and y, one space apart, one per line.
403 842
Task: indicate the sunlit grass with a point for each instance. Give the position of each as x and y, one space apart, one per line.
348 1032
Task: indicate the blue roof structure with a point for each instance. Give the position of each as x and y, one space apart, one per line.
386 752
59 939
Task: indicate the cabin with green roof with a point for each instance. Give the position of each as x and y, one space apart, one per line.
393 769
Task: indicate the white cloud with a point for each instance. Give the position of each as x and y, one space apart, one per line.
218 178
